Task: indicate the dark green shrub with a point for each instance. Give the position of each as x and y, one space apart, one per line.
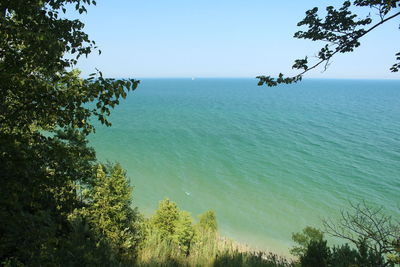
317 254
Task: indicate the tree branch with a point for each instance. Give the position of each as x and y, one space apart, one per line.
344 45
353 40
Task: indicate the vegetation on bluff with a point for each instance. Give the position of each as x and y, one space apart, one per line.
172 239
48 212
374 240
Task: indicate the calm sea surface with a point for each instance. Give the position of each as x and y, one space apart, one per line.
269 161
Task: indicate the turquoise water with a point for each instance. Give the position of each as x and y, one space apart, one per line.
269 161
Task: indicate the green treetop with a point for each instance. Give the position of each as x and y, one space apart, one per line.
208 222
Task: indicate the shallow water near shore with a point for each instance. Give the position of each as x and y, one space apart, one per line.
269 161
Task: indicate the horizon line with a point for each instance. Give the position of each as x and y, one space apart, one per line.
248 77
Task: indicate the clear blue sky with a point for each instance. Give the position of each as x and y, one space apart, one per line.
210 38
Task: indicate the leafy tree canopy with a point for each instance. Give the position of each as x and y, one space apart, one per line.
208 221
40 88
304 238
45 116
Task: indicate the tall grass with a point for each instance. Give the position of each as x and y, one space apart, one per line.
207 249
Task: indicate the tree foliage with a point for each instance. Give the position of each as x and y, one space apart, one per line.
173 225
304 238
40 87
318 253
45 116
368 227
373 236
208 222
108 210
166 218
341 30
